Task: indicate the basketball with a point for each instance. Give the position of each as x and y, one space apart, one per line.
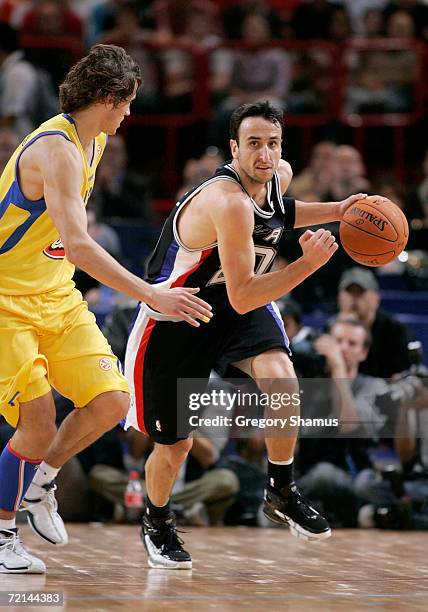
374 231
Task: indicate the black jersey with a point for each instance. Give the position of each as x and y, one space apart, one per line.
174 264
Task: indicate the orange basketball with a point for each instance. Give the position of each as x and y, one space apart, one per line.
374 231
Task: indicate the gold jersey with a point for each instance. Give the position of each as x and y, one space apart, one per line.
32 257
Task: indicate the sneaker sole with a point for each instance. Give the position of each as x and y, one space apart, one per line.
296 530
21 570
162 563
31 523
169 565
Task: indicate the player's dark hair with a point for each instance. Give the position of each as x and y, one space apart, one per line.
258 109
107 71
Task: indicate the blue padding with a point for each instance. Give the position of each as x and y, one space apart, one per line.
16 475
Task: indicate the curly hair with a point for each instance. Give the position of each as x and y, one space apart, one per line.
107 71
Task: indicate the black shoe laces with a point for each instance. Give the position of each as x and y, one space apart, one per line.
172 539
305 505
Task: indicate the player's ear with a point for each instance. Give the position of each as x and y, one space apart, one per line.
234 148
109 102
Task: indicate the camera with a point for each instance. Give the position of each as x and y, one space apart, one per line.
307 362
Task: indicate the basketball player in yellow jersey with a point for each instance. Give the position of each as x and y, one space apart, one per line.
47 335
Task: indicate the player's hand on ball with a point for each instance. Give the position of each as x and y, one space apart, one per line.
345 204
318 247
181 302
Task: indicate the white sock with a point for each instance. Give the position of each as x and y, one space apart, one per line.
288 462
8 523
45 474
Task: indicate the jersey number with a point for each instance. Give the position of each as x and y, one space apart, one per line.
264 258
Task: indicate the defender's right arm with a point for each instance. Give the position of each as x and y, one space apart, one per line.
233 217
60 166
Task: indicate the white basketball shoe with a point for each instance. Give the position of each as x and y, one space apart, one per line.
43 517
14 558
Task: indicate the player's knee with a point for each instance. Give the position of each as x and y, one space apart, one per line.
273 364
111 409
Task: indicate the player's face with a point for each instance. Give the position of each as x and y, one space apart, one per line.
118 113
351 343
259 149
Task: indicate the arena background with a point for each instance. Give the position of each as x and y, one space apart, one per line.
351 78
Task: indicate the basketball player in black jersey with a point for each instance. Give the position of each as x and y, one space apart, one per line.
222 237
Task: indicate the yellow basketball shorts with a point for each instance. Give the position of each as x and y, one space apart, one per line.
52 340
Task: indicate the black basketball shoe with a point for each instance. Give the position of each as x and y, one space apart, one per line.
162 543
289 507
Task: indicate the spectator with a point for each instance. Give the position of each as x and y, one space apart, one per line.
118 190
312 19
127 32
201 26
400 25
416 9
359 297
26 93
416 210
373 24
339 29
117 325
95 294
9 140
318 175
292 314
370 93
52 18
259 73
310 90
103 234
102 18
235 15
349 174
358 11
337 471
198 170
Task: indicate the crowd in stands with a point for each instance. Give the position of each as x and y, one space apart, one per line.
377 462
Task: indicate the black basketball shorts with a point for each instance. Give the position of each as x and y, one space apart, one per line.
161 351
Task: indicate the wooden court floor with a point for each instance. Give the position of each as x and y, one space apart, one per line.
104 568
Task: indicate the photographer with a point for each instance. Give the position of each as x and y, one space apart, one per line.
329 467
359 297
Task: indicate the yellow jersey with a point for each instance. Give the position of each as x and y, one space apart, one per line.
32 257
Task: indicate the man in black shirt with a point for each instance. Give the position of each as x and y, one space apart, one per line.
359 296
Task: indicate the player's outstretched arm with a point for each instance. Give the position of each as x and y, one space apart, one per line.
60 166
315 213
233 219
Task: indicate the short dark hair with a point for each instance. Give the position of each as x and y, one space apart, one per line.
8 38
107 70
346 320
258 109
